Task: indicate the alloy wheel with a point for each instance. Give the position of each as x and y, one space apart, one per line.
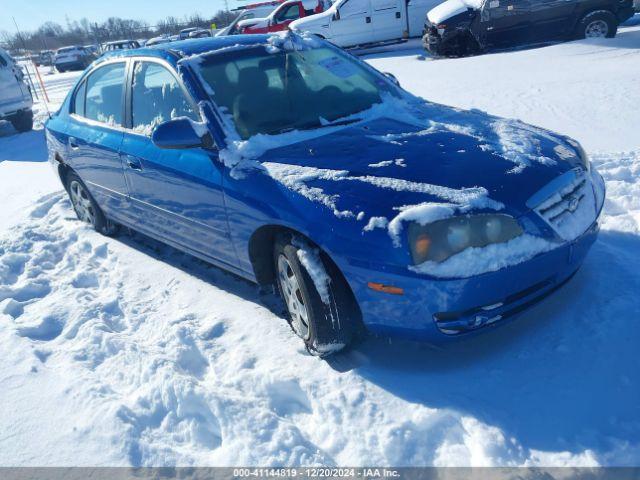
596 29
81 203
290 288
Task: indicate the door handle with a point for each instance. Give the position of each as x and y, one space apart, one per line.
398 15
73 143
133 163
368 19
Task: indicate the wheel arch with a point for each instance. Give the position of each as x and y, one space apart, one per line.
261 246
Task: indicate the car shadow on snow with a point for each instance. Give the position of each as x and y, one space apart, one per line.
22 147
562 377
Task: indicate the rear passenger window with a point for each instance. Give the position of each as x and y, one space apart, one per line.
104 91
157 97
78 100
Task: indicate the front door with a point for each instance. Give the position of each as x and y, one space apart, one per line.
506 23
352 26
552 18
175 195
388 19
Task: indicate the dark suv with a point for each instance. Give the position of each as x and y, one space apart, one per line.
461 27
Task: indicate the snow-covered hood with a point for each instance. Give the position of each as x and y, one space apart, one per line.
382 165
313 21
451 8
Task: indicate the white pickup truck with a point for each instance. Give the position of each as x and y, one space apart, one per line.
15 97
349 23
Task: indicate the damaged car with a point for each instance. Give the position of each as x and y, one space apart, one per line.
297 166
464 27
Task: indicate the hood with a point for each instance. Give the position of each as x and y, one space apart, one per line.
253 22
450 9
316 20
469 159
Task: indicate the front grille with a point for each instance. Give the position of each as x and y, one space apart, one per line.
569 209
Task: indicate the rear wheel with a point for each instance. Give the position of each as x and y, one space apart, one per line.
320 311
23 121
86 207
599 24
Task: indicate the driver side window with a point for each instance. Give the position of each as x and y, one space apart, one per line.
156 98
292 12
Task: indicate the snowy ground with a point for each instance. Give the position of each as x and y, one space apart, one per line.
122 351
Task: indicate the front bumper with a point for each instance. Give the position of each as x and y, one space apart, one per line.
441 309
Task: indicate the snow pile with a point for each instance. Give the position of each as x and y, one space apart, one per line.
517 144
296 177
423 214
399 162
310 259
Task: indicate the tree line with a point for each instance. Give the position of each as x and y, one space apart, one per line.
52 35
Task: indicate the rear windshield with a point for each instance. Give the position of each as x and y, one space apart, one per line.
273 92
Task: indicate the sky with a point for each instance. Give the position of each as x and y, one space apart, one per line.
30 14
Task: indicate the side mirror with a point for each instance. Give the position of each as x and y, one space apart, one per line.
392 77
336 15
181 133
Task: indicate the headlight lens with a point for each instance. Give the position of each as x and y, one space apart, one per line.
440 240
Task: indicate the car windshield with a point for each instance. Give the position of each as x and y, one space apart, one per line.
271 91
68 50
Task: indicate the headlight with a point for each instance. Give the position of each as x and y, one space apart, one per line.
440 240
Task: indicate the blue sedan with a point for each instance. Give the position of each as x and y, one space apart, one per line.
291 163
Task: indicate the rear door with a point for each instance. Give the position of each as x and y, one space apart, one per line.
175 195
10 87
551 19
388 18
506 23
352 26
95 133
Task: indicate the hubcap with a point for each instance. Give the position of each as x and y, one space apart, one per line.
290 288
597 29
81 203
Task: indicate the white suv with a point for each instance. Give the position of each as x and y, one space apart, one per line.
15 97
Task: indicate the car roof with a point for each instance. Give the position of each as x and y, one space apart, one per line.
196 46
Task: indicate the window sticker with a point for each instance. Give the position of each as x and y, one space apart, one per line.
338 67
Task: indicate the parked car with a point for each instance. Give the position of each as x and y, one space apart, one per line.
72 58
15 97
158 40
44 58
120 45
200 33
184 34
259 10
282 16
460 27
350 23
292 163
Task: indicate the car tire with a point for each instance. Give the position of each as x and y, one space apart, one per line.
86 207
23 121
598 24
328 326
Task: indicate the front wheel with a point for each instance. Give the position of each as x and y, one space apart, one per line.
599 24
86 207
320 310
